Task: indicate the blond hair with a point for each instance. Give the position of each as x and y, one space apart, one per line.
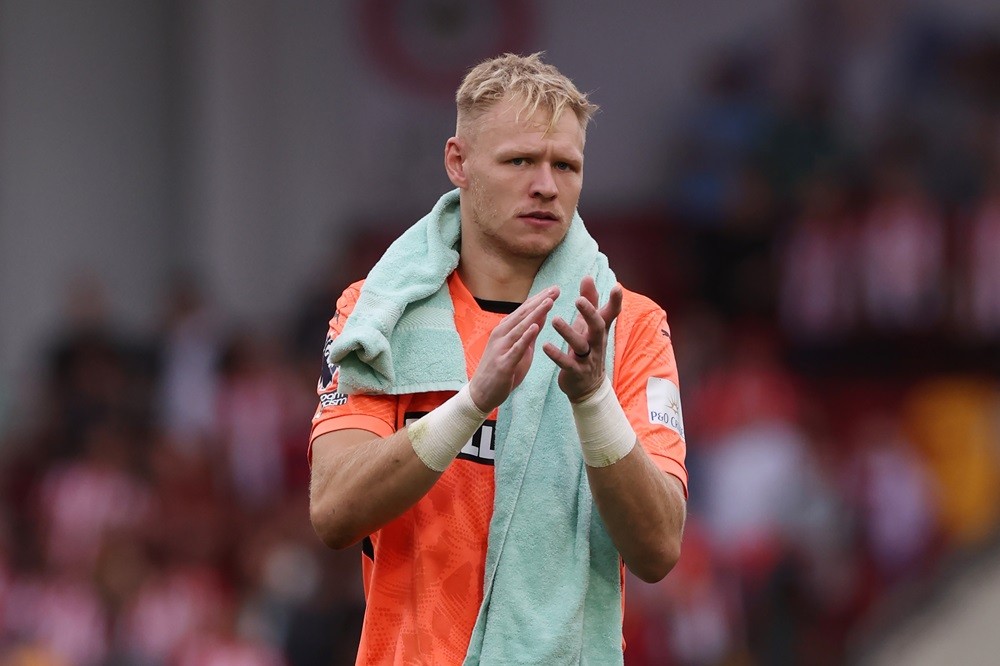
523 78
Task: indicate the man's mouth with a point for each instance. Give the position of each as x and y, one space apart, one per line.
541 215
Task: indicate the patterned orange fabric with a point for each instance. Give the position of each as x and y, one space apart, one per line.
423 572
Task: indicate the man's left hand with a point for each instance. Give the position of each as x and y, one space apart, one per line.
582 364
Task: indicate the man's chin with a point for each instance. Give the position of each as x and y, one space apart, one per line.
533 247
537 247
539 250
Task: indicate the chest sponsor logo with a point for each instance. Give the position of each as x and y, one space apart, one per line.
481 448
663 403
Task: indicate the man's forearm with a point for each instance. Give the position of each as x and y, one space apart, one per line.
640 505
643 510
360 483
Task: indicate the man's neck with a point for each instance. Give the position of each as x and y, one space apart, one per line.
496 279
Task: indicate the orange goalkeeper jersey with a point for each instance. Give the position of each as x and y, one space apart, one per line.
423 572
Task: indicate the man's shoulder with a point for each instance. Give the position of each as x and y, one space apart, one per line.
349 298
641 319
355 287
638 306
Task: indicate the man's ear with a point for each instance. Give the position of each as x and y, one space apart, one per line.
454 162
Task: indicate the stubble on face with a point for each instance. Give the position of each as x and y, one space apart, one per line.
486 220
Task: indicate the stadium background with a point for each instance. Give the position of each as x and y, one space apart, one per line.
810 188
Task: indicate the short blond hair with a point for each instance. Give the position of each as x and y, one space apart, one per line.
525 78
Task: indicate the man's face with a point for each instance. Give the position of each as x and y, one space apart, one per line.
522 183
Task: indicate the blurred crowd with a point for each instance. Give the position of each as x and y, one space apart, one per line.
155 508
831 238
828 252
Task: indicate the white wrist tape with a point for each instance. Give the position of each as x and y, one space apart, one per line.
606 436
437 437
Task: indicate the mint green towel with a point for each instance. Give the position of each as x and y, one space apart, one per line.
552 591
401 337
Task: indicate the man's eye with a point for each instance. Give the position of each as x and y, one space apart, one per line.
517 161
563 166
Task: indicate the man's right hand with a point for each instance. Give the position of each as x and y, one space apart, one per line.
508 354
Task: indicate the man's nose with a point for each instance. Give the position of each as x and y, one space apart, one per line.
544 185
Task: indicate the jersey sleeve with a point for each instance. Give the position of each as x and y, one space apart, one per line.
647 385
339 411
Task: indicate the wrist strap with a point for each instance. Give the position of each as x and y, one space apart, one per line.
606 436
437 437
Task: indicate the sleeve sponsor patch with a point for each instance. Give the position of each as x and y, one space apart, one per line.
329 370
663 402
333 399
329 396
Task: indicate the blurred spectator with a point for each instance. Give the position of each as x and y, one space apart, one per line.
902 252
288 577
716 139
83 501
324 626
817 292
190 356
952 101
172 605
192 511
253 419
870 54
94 371
800 140
694 615
980 280
723 200
218 643
759 478
896 499
747 384
61 613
